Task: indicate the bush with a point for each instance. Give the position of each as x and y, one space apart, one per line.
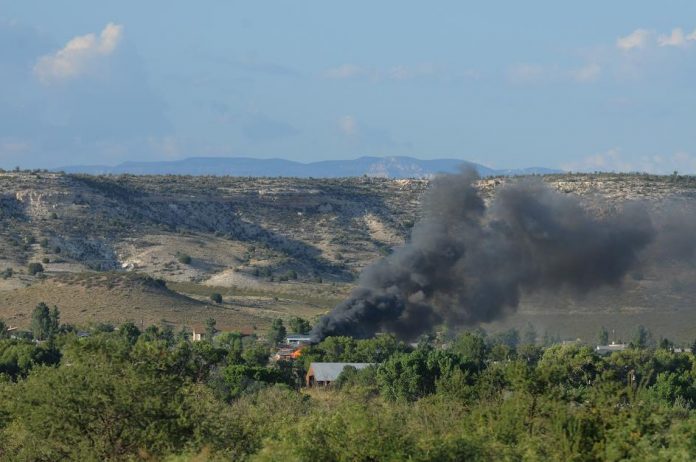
45 260
184 259
35 268
216 297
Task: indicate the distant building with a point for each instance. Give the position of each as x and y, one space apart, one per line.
298 339
608 349
196 336
323 374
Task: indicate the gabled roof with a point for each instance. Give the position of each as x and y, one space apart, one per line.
328 372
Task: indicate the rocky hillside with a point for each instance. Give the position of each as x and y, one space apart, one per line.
194 228
227 229
260 234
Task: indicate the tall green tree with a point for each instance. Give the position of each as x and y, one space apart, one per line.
3 330
184 334
603 336
54 321
277 332
529 336
299 326
471 348
642 337
41 322
210 329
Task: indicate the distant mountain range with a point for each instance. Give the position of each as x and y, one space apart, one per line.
388 167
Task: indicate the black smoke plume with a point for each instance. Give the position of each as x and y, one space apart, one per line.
467 262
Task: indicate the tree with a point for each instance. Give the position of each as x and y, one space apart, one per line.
41 322
666 344
35 268
54 321
277 332
299 325
530 334
509 338
167 334
210 329
130 332
255 354
471 348
642 338
3 330
603 336
184 335
410 376
216 297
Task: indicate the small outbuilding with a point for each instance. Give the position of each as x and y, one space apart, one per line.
611 348
323 374
298 339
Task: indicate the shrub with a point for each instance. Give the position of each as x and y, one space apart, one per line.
45 260
35 268
216 297
184 259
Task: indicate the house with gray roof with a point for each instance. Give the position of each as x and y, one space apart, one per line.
323 374
608 349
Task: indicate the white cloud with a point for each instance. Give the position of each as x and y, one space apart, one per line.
347 125
614 160
412 72
399 72
79 55
345 71
528 73
588 73
639 38
675 39
692 36
14 146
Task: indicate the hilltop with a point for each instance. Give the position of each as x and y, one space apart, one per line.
382 167
272 246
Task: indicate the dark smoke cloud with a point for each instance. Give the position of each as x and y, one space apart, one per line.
468 263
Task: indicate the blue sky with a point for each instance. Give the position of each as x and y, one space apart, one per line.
591 85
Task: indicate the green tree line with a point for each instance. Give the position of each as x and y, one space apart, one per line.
125 394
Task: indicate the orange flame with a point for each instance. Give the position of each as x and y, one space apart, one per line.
297 353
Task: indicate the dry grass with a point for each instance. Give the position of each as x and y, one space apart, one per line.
87 299
116 297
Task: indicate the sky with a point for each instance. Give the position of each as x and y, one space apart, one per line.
582 86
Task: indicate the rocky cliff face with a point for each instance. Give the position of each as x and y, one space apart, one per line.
241 229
